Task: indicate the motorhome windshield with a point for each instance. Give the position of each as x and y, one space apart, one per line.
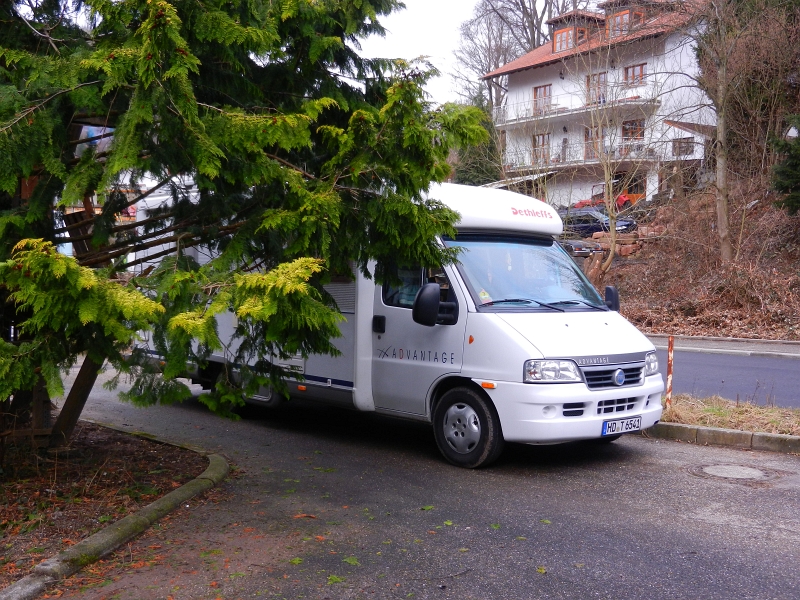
513 273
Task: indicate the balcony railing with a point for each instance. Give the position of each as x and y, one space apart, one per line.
549 107
583 153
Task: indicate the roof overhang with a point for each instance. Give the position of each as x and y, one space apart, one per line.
504 184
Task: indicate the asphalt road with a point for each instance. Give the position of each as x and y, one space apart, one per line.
763 380
638 518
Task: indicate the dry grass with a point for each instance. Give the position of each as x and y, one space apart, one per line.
718 412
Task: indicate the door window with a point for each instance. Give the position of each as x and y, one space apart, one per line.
403 294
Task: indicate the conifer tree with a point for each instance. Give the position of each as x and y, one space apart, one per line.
786 173
306 159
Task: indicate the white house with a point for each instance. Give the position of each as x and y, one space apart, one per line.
612 99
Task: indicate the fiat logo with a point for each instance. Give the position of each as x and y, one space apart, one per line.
619 377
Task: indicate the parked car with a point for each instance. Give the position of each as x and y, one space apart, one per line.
580 248
583 222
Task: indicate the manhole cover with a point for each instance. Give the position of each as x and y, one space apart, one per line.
735 473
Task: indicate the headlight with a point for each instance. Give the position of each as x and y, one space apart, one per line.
550 371
650 364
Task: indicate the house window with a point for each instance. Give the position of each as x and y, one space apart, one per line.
501 141
564 40
622 22
541 98
632 138
591 146
633 130
618 24
596 88
580 34
637 184
683 146
635 74
541 148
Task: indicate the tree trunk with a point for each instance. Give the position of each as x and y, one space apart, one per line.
20 407
73 405
40 406
723 227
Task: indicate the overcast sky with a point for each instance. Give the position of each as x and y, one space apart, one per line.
425 27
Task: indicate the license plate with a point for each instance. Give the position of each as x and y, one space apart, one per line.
622 426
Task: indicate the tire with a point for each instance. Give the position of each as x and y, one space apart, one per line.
467 428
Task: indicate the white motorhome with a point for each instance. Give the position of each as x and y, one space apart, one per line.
511 344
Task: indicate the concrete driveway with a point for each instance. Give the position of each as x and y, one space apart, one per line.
328 503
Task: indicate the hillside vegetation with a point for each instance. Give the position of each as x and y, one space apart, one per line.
676 285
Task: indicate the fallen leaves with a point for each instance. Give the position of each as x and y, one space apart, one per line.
78 491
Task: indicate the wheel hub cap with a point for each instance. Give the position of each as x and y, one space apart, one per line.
462 428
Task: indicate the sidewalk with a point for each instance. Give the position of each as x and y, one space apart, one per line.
723 345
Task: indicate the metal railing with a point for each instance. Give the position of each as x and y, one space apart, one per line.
596 98
583 153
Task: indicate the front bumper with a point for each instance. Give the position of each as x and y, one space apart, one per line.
556 413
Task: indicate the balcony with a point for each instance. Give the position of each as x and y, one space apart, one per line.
586 153
607 98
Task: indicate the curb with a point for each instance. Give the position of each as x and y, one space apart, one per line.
723 345
715 436
102 543
710 338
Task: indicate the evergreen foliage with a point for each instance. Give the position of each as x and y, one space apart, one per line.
307 158
70 310
482 163
786 173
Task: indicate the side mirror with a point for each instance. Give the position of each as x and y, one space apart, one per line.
612 298
425 310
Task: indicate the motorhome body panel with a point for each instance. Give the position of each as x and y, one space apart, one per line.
408 358
394 365
556 413
484 209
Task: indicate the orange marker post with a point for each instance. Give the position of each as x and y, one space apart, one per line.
670 348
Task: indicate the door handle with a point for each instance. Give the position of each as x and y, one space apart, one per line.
379 324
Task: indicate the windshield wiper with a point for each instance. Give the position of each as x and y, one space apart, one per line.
589 304
522 301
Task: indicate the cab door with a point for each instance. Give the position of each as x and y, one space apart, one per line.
407 357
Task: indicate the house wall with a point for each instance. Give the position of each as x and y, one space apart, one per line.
572 165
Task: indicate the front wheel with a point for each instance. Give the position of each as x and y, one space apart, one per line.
467 428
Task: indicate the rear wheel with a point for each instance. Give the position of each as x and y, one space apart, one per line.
467 428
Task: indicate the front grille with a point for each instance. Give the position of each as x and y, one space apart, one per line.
573 409
597 379
617 405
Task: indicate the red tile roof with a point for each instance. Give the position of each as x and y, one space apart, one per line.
586 14
544 55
